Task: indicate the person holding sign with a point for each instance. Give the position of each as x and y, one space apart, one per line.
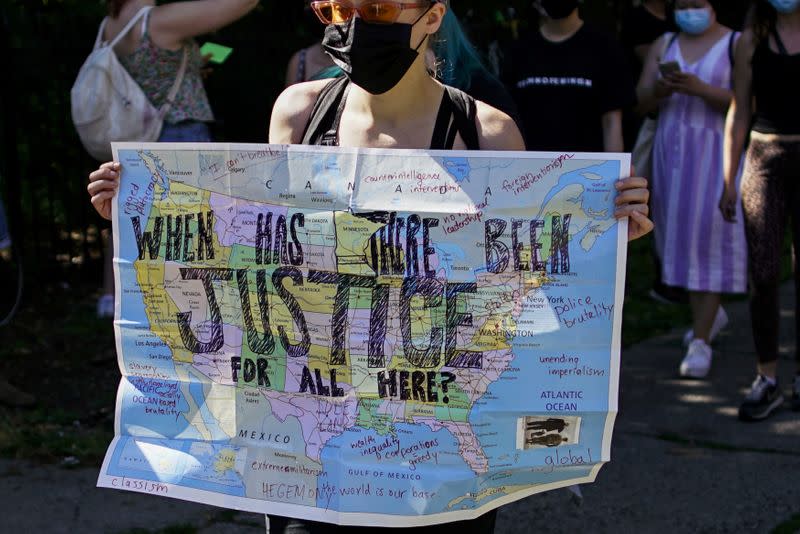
387 99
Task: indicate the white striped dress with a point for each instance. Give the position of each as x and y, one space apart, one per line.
699 251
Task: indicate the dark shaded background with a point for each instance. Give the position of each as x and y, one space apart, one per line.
56 348
43 167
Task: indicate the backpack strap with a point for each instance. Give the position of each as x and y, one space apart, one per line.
131 23
323 125
145 22
668 44
301 66
463 110
443 122
732 48
173 92
99 40
779 41
456 116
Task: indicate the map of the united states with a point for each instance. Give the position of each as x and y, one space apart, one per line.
329 331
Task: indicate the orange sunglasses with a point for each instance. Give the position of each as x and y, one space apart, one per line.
377 12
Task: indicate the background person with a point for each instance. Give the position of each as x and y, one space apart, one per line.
387 104
152 54
571 83
310 63
698 251
454 61
767 77
642 25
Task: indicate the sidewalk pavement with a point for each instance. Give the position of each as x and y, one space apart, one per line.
681 462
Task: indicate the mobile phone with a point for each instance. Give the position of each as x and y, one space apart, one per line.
669 67
218 52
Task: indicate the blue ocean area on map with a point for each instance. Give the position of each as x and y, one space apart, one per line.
148 414
187 467
459 168
433 477
591 204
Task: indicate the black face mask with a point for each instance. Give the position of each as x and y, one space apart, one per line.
559 9
374 56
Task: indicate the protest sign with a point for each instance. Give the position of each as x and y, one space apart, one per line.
364 337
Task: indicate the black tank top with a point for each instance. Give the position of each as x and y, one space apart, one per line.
456 116
776 79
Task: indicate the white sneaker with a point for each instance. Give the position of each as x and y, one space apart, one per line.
105 306
720 322
697 362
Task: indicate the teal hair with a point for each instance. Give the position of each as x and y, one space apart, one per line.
456 59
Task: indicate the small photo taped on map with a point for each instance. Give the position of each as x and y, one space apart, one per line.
536 432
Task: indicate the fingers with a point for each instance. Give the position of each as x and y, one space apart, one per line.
106 177
727 206
102 197
106 171
632 196
102 187
114 165
728 212
642 226
629 209
632 182
631 201
679 77
99 186
102 203
632 190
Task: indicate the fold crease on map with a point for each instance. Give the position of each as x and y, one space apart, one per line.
364 337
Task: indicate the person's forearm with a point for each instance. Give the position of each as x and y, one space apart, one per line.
612 132
716 97
648 101
736 127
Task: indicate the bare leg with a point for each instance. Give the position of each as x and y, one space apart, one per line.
704 310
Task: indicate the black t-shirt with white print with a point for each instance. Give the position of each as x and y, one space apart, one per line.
563 89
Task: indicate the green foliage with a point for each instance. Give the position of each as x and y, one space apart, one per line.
643 317
46 354
790 526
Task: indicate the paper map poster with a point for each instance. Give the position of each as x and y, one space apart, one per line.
364 337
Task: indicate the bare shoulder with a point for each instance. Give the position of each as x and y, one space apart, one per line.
496 130
292 110
747 40
745 49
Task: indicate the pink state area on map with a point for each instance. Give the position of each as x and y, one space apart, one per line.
237 223
236 219
321 418
217 365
